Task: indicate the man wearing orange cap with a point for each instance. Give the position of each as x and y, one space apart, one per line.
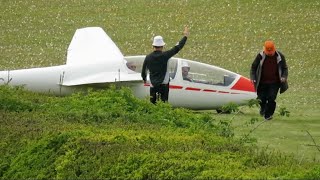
269 73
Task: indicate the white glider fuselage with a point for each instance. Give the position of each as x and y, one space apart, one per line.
210 87
94 61
45 80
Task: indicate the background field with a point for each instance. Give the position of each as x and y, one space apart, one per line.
224 33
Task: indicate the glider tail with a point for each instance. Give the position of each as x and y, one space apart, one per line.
91 45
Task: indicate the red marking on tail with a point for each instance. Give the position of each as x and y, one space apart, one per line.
244 84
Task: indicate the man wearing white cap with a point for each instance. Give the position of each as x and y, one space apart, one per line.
156 62
185 71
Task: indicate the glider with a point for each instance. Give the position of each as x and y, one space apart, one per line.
94 60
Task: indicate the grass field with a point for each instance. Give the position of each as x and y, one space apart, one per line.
224 33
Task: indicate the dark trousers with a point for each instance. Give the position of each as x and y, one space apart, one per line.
267 94
159 92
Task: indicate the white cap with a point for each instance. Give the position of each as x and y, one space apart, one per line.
185 64
158 41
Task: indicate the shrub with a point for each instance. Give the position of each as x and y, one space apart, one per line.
10 99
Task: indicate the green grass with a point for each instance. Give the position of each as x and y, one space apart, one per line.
224 33
290 135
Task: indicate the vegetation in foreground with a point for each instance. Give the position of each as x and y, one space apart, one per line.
110 134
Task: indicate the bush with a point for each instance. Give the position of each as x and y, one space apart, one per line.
10 99
111 134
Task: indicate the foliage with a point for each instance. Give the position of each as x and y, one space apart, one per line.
226 129
111 134
314 173
253 103
228 108
234 108
9 100
114 104
284 112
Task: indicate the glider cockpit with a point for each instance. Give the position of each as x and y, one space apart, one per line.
196 72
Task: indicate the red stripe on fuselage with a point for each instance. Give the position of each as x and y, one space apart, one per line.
195 89
224 92
209 90
175 87
170 86
192 89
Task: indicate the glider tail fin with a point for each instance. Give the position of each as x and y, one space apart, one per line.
91 45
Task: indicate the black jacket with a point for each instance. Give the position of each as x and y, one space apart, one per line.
156 62
256 67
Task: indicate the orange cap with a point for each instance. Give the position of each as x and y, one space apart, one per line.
269 47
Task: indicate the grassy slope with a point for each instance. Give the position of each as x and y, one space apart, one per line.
228 34
285 134
111 134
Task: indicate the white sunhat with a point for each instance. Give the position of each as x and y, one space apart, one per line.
158 41
185 64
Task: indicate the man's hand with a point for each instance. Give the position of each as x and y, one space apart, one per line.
186 31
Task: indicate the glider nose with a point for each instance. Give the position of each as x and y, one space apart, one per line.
244 84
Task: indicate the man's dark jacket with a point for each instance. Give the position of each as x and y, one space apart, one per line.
156 62
256 68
